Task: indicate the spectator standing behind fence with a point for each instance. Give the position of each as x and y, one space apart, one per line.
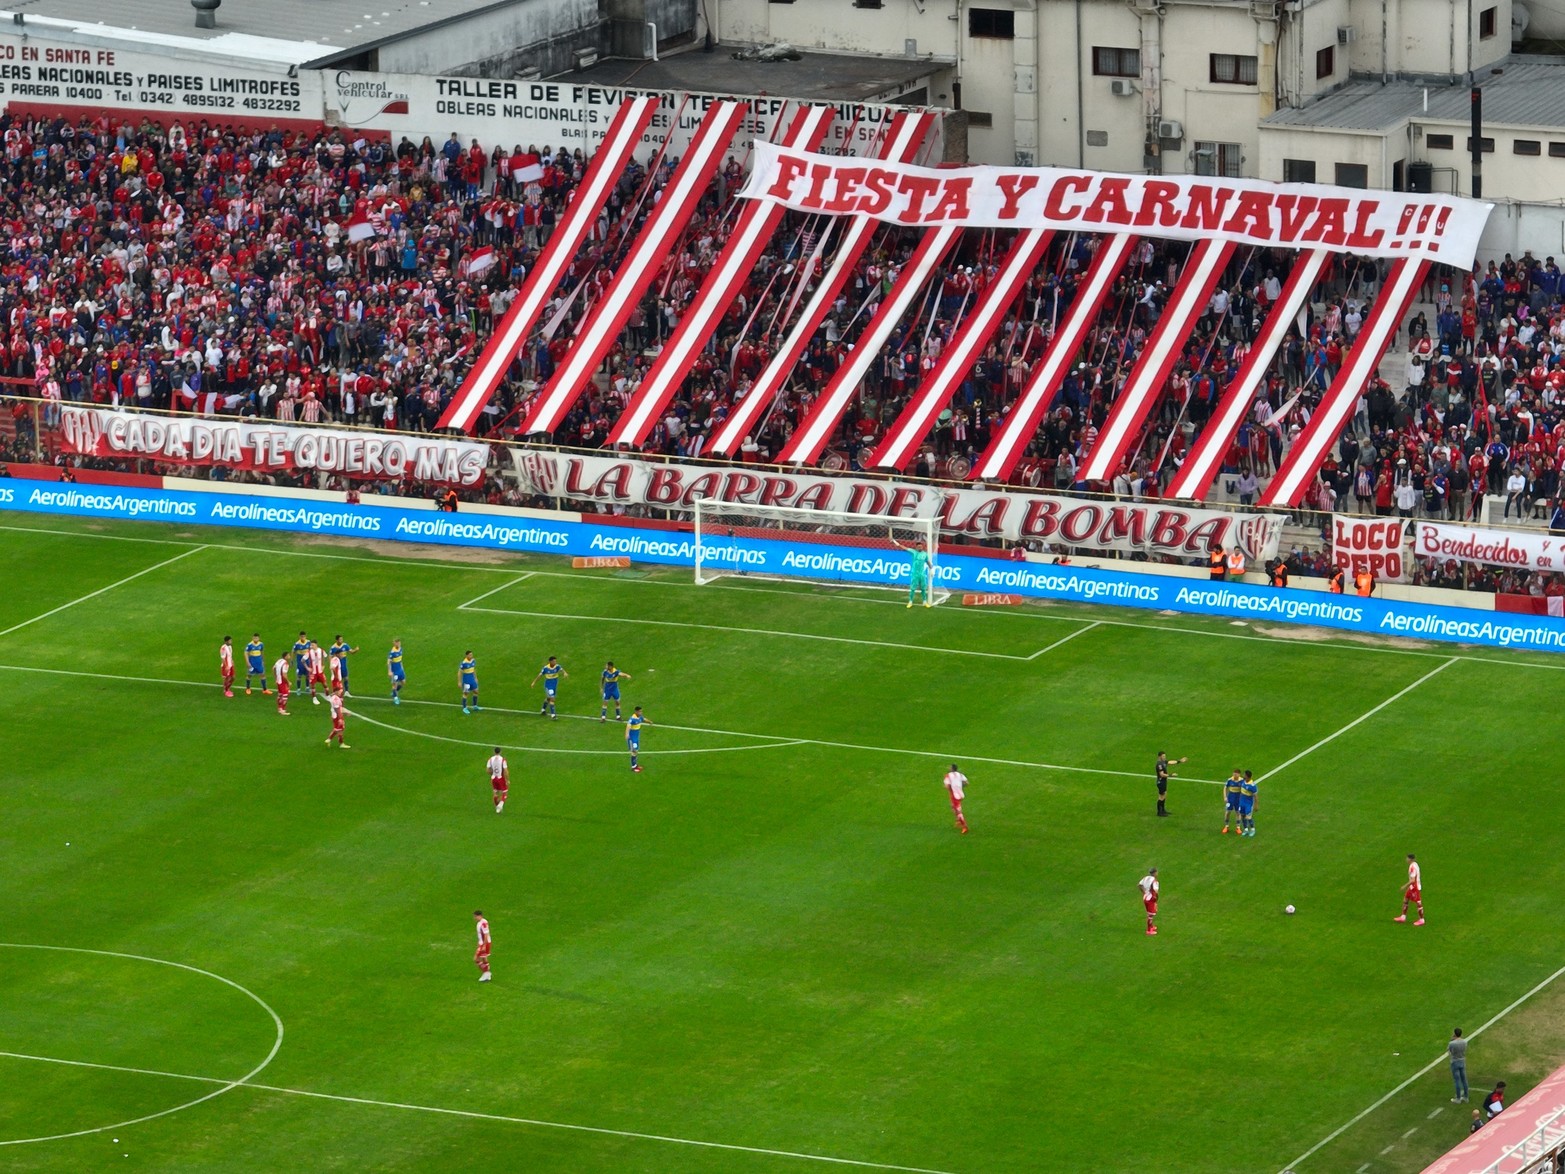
1458 1052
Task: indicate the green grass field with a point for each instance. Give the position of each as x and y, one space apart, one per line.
770 951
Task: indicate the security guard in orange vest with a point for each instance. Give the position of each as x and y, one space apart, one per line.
1334 585
1279 575
1236 564
1363 582
1218 563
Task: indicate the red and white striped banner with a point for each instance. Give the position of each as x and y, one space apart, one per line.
1021 419
1148 379
1200 469
676 204
754 229
608 163
1336 408
806 443
978 326
902 143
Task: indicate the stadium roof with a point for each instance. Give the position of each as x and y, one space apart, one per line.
820 77
295 31
1523 91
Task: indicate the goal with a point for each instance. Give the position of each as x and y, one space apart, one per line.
813 546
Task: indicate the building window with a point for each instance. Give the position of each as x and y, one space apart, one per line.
1440 142
991 22
1352 175
1232 69
1485 145
980 118
1110 62
1225 159
1557 150
866 3
1527 147
1325 62
1298 171
1488 22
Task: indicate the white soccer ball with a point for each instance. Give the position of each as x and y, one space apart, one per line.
1289 909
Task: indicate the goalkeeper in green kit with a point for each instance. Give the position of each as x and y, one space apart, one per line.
918 572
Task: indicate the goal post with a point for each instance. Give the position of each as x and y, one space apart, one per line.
814 546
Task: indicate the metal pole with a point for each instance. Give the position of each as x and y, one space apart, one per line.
1477 142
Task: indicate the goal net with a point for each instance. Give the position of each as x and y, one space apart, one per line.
815 546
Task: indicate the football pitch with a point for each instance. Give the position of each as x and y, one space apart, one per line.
226 946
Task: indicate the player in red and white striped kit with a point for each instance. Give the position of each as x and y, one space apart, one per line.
1414 893
499 779
225 662
315 661
481 955
338 719
956 785
280 675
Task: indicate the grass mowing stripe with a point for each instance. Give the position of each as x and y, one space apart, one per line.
1424 1071
1363 717
102 590
477 1116
777 739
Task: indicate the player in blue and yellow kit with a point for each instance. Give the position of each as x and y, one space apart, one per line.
550 674
633 736
301 666
1231 791
340 649
395 671
1247 792
255 664
467 677
611 679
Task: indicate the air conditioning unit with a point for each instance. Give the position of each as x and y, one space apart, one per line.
1171 129
1122 87
585 58
1346 34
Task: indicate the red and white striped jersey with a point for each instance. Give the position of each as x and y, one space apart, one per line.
280 670
316 659
336 668
956 783
225 656
497 766
483 931
336 707
1414 877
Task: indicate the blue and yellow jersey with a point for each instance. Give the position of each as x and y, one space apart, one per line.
1248 788
300 647
340 651
255 652
633 726
551 673
394 659
1233 786
611 682
469 666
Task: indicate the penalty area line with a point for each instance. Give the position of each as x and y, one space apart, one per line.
535 1122
103 590
1422 1072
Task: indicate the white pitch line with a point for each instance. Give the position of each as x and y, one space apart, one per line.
810 591
228 1085
495 591
102 590
775 739
1066 639
1363 717
535 1122
1424 1071
554 615
563 750
1435 1112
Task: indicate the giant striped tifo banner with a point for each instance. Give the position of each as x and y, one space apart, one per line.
608 162
751 233
1358 368
1149 376
1205 458
902 143
676 204
978 325
1010 440
805 445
